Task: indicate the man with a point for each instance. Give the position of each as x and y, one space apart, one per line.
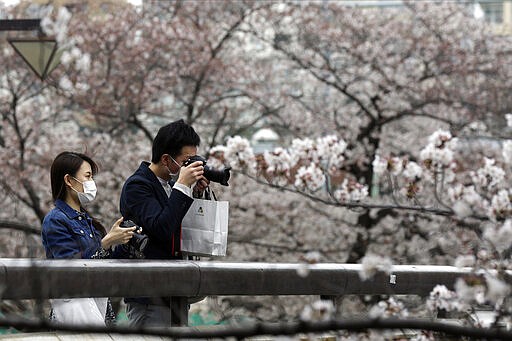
148 199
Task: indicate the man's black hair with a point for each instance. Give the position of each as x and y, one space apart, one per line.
171 138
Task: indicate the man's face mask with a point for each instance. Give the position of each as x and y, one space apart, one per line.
169 169
89 193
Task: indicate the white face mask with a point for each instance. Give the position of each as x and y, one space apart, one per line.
171 173
89 192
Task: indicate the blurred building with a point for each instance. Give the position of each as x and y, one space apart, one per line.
498 13
265 139
93 7
156 5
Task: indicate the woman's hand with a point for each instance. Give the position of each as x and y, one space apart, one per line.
190 174
117 235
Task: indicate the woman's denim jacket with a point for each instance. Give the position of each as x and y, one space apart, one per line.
69 234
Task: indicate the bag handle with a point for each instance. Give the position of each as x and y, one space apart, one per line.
207 195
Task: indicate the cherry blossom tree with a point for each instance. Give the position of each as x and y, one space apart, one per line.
398 75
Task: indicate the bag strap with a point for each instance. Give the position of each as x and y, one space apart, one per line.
208 192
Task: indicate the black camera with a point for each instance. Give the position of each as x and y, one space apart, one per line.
136 245
220 176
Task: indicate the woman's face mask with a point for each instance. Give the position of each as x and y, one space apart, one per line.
89 193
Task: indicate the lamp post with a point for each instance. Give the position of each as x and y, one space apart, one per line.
41 53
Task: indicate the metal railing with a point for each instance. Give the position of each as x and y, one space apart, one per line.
41 279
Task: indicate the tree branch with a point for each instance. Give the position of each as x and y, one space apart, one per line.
14 225
354 205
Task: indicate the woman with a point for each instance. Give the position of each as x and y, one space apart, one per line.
70 232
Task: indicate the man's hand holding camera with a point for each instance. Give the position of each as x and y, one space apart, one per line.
220 176
200 187
191 174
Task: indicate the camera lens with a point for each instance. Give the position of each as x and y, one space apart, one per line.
138 241
143 243
220 176
214 175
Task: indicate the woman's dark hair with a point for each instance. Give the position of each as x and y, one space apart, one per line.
70 163
171 138
67 163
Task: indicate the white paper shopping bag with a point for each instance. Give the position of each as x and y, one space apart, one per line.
204 229
80 311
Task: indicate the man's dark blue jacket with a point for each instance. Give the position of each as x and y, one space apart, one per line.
144 201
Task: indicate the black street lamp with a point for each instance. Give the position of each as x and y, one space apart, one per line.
41 53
